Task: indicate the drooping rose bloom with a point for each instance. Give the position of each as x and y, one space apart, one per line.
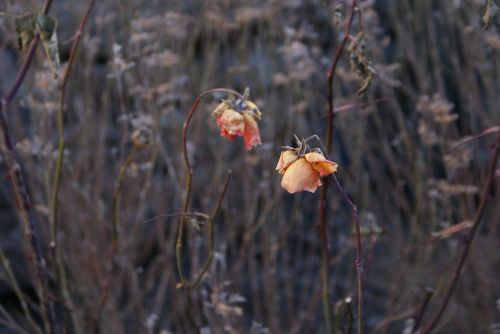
303 172
239 118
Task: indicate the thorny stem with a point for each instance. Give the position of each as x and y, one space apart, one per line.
324 188
115 222
189 174
478 216
20 192
60 270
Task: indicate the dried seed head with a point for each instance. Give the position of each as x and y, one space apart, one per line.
142 137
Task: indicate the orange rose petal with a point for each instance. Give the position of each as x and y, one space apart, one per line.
325 168
251 134
300 176
320 164
314 157
281 162
286 158
219 109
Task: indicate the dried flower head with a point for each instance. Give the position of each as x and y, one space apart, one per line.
142 137
239 117
303 167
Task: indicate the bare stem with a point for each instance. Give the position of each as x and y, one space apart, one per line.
115 222
56 180
331 75
324 188
478 216
419 315
20 192
11 278
177 214
359 260
189 174
210 250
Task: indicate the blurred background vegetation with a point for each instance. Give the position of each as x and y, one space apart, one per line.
142 63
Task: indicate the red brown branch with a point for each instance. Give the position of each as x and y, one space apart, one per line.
478 216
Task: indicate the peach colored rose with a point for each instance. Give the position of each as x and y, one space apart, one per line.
239 119
303 172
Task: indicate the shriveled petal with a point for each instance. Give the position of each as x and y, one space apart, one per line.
252 108
314 157
224 133
300 176
320 164
325 168
286 158
232 122
219 109
251 134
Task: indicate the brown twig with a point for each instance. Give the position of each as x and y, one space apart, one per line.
115 224
20 192
177 214
468 139
359 261
210 250
419 314
61 272
331 75
324 188
478 216
189 175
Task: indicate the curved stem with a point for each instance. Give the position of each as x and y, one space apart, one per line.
210 249
478 216
189 175
115 222
60 270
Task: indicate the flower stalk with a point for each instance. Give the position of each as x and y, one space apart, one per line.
184 282
35 256
56 180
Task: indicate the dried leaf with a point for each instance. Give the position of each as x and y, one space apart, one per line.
29 25
360 64
46 27
25 29
366 82
195 223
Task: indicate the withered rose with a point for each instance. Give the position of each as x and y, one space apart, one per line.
303 172
239 118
